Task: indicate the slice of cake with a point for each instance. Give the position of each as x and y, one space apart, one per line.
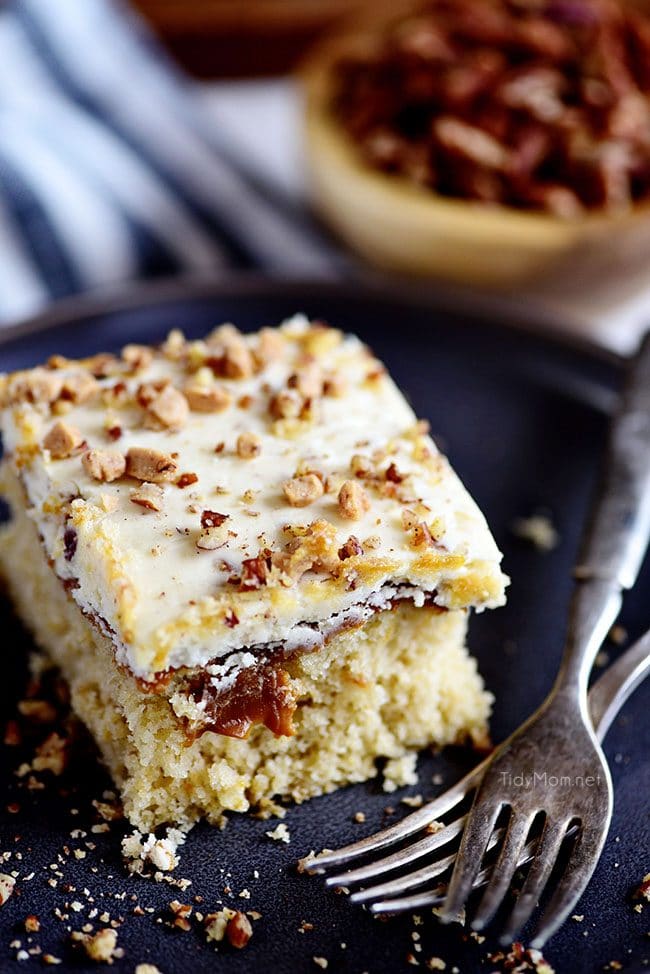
250 562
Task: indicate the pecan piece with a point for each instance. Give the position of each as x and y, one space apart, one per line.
137 357
149 496
350 548
104 465
80 387
146 464
239 930
167 410
353 500
303 491
206 399
286 404
249 445
62 440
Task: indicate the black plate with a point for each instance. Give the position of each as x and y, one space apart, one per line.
523 419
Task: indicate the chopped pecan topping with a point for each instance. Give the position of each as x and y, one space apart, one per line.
35 386
269 347
186 480
101 365
174 345
149 496
212 519
249 445
228 353
353 500
286 404
308 380
206 399
304 490
62 440
254 573
150 465
214 534
137 357
80 387
351 548
393 475
361 466
167 410
104 465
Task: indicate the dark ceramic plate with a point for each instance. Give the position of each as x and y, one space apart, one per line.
523 419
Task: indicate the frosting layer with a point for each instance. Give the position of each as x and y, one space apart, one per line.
208 496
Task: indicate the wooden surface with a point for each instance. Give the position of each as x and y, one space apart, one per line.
242 38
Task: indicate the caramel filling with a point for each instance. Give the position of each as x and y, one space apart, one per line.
260 694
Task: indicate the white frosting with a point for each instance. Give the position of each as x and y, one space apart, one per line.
162 599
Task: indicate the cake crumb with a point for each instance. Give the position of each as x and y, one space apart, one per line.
101 946
321 962
139 851
359 817
7 884
436 964
147 969
538 530
413 801
304 865
280 833
401 771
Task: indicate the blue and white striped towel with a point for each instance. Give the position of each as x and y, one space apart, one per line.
108 170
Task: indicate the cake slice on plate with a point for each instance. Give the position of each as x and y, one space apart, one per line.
250 562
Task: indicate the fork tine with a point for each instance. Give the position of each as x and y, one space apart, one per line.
476 836
577 874
546 853
401 858
430 871
401 830
403 883
510 856
437 895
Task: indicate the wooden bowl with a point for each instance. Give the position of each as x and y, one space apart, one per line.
397 225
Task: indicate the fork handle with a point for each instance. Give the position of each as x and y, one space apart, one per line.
618 531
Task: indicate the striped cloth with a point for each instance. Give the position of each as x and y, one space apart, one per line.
109 171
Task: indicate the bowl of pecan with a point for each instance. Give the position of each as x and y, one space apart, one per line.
484 142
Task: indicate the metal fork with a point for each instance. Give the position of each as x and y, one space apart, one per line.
574 801
606 698
555 754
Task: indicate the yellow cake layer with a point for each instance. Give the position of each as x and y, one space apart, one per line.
401 682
